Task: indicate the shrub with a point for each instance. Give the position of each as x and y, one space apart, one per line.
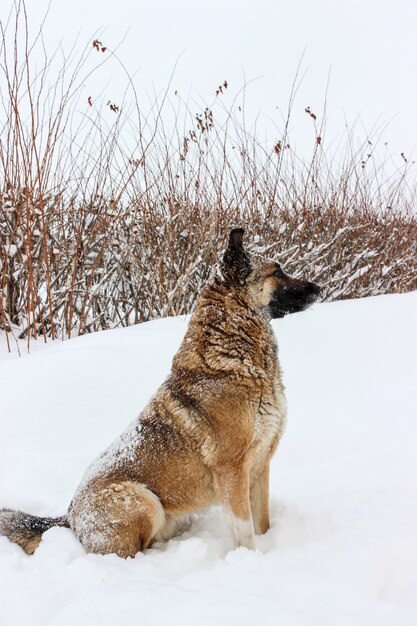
105 224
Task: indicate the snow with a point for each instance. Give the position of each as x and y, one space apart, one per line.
342 548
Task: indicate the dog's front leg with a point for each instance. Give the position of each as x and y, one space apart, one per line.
234 484
259 500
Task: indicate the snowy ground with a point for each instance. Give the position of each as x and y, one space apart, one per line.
342 549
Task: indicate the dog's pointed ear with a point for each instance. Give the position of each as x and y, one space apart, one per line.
236 261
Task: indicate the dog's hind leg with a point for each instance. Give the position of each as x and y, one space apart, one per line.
119 517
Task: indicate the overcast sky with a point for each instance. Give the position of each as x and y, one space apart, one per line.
368 47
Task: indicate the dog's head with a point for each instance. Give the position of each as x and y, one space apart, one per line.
270 288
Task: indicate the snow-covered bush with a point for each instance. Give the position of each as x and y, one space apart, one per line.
112 214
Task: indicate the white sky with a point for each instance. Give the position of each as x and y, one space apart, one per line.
369 47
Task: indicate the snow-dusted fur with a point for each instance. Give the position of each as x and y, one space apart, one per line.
207 435
26 529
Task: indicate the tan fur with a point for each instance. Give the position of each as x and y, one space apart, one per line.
29 544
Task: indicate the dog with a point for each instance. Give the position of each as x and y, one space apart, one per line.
208 434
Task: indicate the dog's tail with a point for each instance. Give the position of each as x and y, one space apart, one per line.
26 529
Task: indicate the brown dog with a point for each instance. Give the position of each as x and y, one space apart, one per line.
207 435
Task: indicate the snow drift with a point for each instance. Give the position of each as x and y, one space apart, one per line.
342 548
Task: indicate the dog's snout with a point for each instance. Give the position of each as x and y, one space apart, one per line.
312 291
315 289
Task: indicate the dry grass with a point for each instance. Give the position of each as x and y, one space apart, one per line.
107 223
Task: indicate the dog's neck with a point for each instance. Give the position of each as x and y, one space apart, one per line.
222 333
